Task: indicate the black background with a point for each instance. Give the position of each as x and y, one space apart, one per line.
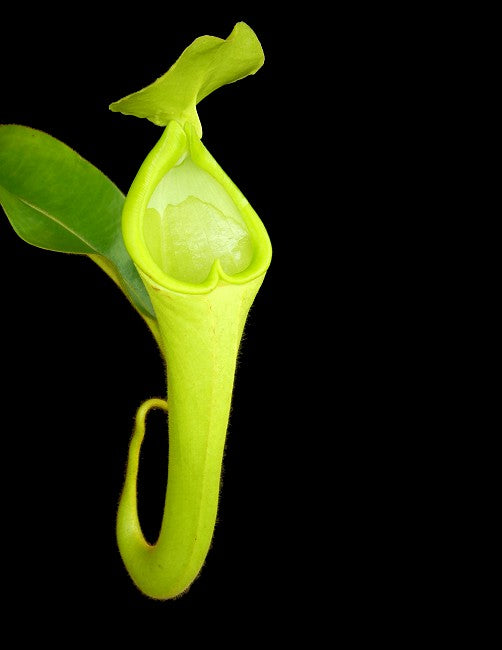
303 502
342 510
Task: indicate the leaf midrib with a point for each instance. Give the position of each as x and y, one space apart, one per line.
54 219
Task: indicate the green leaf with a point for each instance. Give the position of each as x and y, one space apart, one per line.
56 200
207 64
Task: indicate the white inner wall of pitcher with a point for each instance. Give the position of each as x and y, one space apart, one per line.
191 221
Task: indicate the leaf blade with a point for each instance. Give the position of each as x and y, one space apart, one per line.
57 200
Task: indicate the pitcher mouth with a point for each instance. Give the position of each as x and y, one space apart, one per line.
185 223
